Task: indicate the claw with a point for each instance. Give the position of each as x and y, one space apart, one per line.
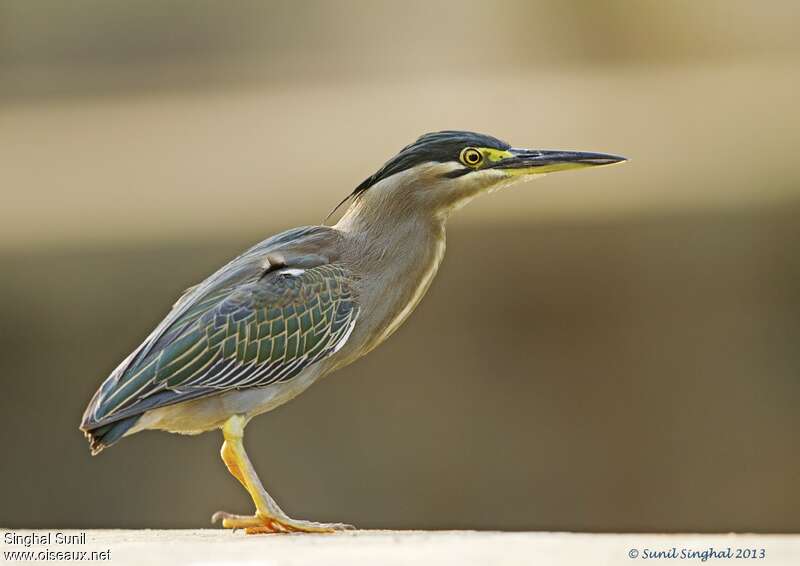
259 524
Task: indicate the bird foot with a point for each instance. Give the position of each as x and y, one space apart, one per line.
263 524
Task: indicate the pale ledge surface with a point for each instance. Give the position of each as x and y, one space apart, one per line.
218 547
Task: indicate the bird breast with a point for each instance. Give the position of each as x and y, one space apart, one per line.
390 293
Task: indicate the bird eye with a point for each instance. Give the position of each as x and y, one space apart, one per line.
471 157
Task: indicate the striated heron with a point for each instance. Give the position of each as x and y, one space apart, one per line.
304 303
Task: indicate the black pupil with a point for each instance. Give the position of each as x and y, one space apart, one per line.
472 156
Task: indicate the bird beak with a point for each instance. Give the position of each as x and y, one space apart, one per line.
535 162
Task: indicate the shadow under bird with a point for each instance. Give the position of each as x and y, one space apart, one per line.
304 303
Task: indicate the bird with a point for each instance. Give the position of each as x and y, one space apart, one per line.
304 303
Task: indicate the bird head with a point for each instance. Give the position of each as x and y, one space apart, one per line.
442 171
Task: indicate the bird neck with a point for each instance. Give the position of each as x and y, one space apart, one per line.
390 228
397 253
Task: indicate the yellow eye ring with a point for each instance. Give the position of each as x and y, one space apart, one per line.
471 157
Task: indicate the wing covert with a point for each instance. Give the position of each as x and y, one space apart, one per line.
258 330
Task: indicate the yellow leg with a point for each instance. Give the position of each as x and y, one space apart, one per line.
269 518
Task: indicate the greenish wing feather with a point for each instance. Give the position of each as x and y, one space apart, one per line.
262 331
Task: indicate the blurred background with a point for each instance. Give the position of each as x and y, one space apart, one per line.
628 361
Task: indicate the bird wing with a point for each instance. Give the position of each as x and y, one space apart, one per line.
248 325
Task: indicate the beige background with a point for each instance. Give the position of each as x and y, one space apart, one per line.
602 350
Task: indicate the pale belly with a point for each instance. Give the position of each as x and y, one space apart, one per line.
208 413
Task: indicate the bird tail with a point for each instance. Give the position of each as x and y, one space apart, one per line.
107 434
